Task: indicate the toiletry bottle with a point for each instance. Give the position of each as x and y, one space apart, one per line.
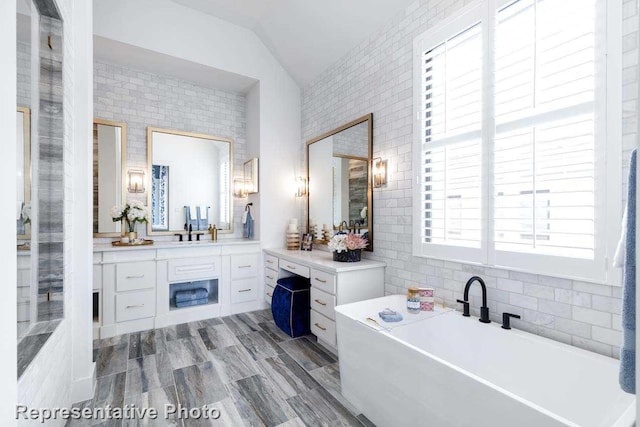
413 300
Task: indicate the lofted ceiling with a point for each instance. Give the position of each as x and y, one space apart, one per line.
305 36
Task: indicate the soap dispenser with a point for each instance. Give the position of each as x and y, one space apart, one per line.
214 232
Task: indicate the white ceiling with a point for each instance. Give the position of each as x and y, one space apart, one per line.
306 36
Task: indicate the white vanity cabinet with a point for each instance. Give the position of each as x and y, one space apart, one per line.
137 285
332 283
270 276
128 291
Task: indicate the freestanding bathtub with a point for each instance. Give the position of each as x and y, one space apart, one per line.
450 370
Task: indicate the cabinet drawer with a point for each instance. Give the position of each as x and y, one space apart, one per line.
271 261
97 277
244 266
270 277
268 294
135 275
323 281
135 305
323 303
186 269
244 290
323 328
299 269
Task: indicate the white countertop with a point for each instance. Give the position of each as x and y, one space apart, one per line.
324 260
107 247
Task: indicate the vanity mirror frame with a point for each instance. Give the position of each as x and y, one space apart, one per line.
364 119
26 134
123 169
230 141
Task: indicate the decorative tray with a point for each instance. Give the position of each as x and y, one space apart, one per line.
140 243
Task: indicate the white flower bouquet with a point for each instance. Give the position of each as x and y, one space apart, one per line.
132 213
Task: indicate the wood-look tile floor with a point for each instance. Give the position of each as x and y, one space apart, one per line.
242 365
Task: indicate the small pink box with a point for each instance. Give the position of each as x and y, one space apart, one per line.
426 305
425 292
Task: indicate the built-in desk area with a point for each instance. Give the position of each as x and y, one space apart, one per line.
332 283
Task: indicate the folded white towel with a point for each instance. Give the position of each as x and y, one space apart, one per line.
203 212
193 214
18 209
244 217
618 259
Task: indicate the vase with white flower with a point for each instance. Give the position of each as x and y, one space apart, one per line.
347 247
130 214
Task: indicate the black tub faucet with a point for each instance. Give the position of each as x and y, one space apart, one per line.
484 310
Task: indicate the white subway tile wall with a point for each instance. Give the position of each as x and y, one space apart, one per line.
142 99
377 76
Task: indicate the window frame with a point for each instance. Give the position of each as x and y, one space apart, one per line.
608 171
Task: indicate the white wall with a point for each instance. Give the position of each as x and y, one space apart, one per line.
377 76
172 29
253 150
142 99
8 392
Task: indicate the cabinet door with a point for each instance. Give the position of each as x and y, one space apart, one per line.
271 261
244 290
323 303
131 276
97 277
294 267
268 294
326 282
187 269
323 328
135 305
244 266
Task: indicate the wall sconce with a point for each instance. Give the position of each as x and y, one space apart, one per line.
379 172
301 187
240 188
136 181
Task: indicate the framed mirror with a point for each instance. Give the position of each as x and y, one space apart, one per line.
109 164
23 187
339 177
251 175
191 178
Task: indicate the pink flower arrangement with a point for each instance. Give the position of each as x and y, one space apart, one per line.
347 242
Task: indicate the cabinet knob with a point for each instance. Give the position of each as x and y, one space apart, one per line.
320 326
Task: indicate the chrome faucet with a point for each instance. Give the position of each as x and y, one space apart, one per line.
484 310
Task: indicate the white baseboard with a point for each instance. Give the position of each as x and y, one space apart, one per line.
82 389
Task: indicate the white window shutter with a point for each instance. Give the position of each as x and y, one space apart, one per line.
451 120
544 158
